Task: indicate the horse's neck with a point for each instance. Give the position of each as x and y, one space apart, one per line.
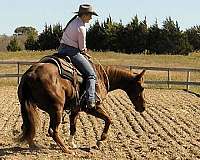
118 78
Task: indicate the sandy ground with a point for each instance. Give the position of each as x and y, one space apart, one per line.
168 129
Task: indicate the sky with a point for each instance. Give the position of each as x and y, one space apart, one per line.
37 13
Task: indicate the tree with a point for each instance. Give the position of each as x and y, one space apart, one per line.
155 42
193 35
57 34
50 37
13 45
135 36
142 36
31 43
96 37
111 38
169 35
120 39
28 31
184 46
175 41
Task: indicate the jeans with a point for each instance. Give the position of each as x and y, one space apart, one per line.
84 66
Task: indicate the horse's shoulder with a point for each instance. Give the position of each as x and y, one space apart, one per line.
102 77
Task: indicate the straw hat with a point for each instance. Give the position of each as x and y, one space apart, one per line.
86 8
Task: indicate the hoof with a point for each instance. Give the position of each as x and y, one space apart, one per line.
34 147
103 136
99 144
95 147
71 142
65 150
73 145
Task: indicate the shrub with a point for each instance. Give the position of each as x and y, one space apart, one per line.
13 46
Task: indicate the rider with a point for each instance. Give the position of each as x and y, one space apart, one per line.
73 44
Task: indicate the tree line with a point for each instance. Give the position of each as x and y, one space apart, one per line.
134 37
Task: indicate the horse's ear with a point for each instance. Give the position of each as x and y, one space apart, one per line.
140 75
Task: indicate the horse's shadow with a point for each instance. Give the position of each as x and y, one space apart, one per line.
12 150
88 149
22 150
85 149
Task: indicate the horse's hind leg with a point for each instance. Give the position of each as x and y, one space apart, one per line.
73 119
55 120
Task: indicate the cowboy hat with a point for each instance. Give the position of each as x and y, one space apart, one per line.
86 8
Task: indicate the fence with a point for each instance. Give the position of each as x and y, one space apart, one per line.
169 82
18 64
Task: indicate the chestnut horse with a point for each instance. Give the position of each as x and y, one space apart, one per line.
42 87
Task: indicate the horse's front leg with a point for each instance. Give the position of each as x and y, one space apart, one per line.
73 119
99 113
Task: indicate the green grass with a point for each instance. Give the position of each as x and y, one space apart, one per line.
112 58
24 55
148 60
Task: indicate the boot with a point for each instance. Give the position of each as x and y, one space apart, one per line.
91 104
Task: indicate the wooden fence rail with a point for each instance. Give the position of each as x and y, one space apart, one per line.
18 64
169 82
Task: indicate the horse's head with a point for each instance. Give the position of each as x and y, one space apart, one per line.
135 92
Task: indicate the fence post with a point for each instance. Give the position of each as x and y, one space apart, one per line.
168 78
188 80
130 68
18 72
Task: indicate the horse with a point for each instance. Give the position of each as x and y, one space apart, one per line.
42 87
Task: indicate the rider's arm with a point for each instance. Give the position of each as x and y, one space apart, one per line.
82 38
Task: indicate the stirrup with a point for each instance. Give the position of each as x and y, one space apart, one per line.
91 104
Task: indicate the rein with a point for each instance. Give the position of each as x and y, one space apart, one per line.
108 84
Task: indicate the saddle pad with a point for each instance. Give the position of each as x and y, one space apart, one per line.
65 67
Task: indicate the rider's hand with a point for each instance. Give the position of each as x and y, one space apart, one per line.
85 52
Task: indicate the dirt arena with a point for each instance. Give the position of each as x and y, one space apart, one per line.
168 129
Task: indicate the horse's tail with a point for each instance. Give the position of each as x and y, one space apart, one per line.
29 112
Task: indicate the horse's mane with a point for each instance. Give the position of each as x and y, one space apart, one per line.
118 73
